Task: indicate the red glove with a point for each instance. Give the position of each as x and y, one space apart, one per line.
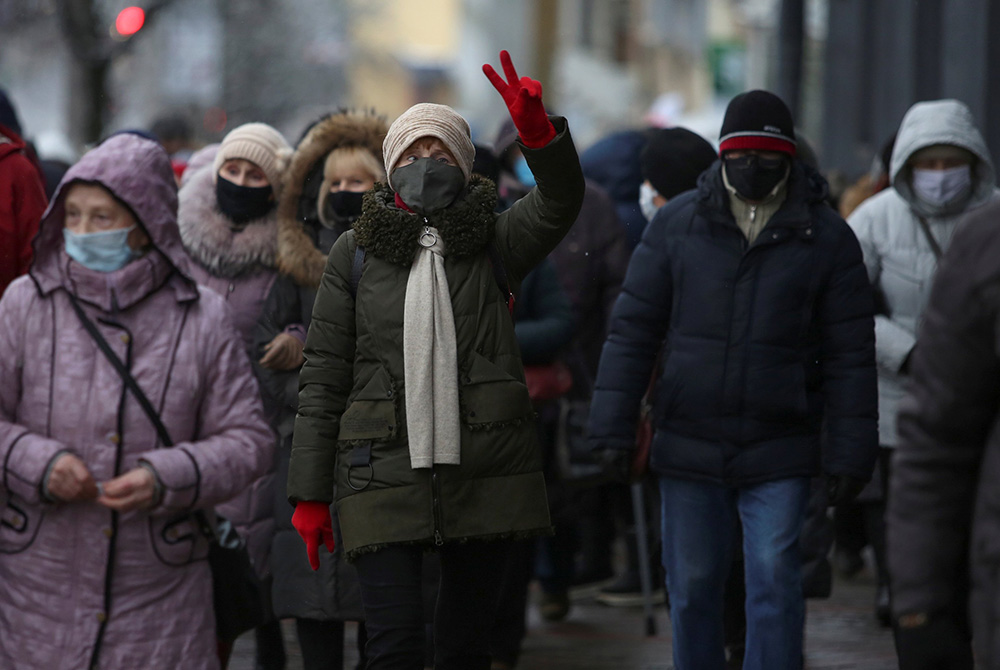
312 520
523 98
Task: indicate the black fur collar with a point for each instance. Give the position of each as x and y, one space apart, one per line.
390 233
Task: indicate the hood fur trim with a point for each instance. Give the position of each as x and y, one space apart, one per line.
298 256
390 233
208 235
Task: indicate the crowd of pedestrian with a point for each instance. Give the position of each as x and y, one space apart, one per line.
389 376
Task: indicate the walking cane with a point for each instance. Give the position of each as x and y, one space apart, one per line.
642 544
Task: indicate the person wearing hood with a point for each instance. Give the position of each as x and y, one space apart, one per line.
101 557
229 229
613 163
22 197
940 171
337 160
758 291
412 404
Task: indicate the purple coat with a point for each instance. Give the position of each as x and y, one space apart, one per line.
76 580
238 264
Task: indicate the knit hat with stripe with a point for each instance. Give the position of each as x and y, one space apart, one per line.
757 120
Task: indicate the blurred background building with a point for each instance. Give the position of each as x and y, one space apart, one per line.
848 68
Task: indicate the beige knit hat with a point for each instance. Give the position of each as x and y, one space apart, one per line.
260 144
427 119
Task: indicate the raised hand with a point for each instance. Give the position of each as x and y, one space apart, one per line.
523 97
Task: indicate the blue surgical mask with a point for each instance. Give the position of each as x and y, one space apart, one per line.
105 251
523 172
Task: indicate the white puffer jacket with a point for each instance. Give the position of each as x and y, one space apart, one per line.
898 256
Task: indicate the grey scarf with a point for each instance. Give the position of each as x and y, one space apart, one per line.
430 358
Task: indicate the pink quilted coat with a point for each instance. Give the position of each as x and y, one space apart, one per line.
80 586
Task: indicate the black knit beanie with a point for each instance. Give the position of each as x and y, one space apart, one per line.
757 120
673 158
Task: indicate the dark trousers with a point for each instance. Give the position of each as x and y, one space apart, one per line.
391 578
510 625
322 644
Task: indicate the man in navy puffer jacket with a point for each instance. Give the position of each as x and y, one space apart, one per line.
757 289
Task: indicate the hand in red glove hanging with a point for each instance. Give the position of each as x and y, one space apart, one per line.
312 520
523 97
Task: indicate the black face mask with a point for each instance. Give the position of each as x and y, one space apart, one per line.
243 203
427 185
342 206
754 176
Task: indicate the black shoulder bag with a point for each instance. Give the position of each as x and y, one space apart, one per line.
237 593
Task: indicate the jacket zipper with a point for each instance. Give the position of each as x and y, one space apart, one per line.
436 503
109 568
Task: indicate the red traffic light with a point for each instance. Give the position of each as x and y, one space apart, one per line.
130 20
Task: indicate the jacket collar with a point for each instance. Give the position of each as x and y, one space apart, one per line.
119 290
805 189
391 233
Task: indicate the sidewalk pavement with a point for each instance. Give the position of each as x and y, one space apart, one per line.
841 634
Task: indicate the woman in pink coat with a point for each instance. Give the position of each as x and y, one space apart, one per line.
101 563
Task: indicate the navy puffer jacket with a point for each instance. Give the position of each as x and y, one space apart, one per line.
768 346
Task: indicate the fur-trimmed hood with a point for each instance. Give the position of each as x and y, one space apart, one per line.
390 233
298 256
210 238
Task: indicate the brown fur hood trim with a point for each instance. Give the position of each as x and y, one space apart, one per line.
298 257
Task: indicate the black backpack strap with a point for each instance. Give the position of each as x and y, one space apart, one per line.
500 275
356 268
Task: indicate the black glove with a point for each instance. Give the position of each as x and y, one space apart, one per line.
938 643
616 464
843 488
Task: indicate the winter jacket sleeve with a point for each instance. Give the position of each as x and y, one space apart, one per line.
893 341
25 455
234 445
638 326
945 423
530 230
325 380
282 313
847 362
544 319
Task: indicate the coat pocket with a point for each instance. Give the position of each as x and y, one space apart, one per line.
490 395
372 413
176 540
19 525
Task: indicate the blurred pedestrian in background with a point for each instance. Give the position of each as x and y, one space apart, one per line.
943 537
228 226
758 290
101 559
412 395
22 197
940 170
613 163
337 160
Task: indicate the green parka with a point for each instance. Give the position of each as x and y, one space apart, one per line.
351 423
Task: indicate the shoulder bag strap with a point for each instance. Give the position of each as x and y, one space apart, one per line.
935 247
138 394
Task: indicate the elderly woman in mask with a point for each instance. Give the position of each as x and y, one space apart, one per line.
412 398
940 170
229 229
101 561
